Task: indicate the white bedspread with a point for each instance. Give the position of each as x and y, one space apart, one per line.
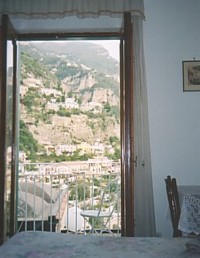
57 245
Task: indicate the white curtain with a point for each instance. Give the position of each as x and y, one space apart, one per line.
25 13
144 204
61 8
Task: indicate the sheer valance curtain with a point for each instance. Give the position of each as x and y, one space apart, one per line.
62 8
28 12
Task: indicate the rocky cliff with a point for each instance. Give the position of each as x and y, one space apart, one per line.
67 96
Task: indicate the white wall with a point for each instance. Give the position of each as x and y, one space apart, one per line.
171 35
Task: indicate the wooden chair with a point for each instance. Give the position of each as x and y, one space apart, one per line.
174 205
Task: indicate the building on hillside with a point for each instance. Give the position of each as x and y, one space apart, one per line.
22 156
49 92
23 90
68 149
71 103
52 106
98 148
84 148
100 165
49 149
94 106
55 169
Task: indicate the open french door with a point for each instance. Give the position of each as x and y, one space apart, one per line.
8 129
127 132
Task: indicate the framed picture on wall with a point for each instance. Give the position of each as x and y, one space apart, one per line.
191 75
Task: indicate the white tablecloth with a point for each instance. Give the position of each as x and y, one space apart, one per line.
190 209
51 245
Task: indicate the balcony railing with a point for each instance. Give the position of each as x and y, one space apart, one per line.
50 199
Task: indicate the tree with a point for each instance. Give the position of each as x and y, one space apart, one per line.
81 189
27 143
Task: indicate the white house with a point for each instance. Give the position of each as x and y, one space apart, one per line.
71 103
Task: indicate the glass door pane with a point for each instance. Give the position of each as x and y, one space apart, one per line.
9 132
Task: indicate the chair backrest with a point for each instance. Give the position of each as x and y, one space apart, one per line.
111 196
174 205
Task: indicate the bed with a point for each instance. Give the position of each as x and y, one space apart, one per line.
46 244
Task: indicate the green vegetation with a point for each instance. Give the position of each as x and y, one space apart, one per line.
44 158
106 83
115 156
63 112
27 143
31 100
112 110
114 141
32 65
80 191
66 71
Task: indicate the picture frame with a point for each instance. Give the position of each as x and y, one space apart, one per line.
191 75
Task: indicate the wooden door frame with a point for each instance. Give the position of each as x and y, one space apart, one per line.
126 99
2 135
7 33
127 128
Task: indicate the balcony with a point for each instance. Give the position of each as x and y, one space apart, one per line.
51 196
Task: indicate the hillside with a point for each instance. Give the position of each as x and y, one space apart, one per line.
69 96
